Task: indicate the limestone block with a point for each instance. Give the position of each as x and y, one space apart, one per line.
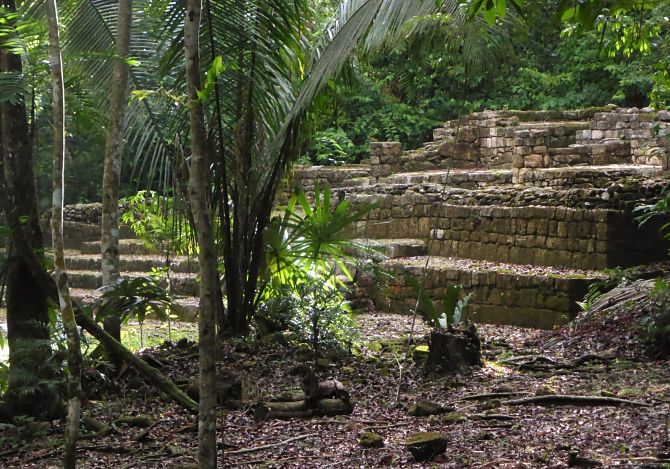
540 149
533 161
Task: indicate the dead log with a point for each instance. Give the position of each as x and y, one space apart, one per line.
150 374
282 410
332 407
301 409
566 399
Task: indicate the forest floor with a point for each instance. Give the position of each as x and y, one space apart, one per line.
482 431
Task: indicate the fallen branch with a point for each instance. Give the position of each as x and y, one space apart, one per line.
566 399
489 395
491 417
541 362
150 374
271 445
384 427
144 433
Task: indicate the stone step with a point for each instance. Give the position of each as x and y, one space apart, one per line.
126 246
469 179
187 309
183 284
521 295
594 176
391 248
131 263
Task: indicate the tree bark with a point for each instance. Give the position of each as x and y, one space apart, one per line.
209 279
27 312
109 234
74 359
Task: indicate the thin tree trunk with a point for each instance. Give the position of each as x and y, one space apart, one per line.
27 313
74 359
112 164
209 280
150 374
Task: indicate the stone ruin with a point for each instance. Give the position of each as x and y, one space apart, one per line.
523 208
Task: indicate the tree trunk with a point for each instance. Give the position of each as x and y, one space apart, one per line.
27 312
209 279
150 374
74 360
109 235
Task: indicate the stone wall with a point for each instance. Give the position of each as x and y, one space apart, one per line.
501 294
530 226
643 129
577 238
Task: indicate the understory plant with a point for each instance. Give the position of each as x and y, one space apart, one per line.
656 323
306 258
135 298
454 303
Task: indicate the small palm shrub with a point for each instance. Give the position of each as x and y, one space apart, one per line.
306 257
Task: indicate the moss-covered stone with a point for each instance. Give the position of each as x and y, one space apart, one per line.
424 408
424 446
370 440
420 353
454 417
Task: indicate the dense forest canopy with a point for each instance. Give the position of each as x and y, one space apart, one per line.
529 62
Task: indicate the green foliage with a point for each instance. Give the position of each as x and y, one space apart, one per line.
329 147
645 213
656 323
305 250
592 296
22 429
405 91
37 369
454 304
135 298
313 314
156 221
310 241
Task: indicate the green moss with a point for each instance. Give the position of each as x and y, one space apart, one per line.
424 437
370 440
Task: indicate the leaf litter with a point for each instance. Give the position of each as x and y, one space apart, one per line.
383 383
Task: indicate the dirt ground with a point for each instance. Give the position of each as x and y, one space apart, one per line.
485 431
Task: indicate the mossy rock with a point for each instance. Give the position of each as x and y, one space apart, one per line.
424 446
370 440
424 408
420 353
454 417
347 370
323 363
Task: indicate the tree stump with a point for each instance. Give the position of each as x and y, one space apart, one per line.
453 349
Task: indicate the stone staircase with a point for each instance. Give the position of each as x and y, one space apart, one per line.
85 277
524 209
